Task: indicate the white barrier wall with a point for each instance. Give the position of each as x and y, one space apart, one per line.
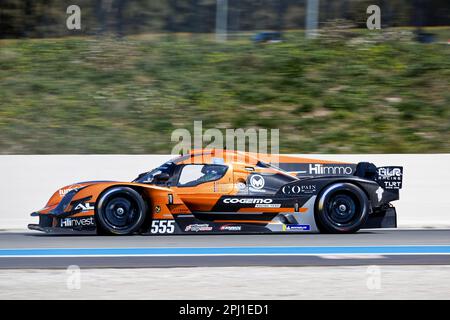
27 182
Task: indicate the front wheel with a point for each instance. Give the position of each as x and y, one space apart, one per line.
342 208
120 211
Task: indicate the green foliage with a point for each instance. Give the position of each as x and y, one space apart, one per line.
103 95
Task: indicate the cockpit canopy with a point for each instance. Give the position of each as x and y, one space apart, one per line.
158 176
189 175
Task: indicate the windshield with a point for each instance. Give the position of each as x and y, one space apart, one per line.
149 177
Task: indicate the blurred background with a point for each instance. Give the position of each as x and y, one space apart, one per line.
138 69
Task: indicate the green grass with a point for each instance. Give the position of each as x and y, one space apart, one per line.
88 95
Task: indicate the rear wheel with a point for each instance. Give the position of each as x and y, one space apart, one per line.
341 208
120 211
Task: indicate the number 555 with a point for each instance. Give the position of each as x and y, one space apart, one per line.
163 226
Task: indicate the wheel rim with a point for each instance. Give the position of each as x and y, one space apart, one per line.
121 212
342 210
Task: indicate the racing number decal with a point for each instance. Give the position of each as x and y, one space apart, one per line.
163 226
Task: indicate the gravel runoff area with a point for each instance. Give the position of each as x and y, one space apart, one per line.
356 282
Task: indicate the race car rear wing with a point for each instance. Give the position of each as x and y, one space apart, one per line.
389 178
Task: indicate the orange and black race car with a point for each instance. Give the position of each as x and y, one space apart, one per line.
219 191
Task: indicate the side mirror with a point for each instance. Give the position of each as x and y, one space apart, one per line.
163 176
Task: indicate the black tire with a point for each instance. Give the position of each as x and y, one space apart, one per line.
120 211
341 208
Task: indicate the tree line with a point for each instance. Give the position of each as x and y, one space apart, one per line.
47 18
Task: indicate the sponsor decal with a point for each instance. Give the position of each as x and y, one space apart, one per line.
157 209
298 227
241 185
393 185
178 208
87 206
229 227
387 172
380 192
256 190
299 189
247 200
198 227
321 169
63 192
77 222
257 181
390 177
269 205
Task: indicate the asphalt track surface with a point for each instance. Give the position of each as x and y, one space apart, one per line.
367 247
